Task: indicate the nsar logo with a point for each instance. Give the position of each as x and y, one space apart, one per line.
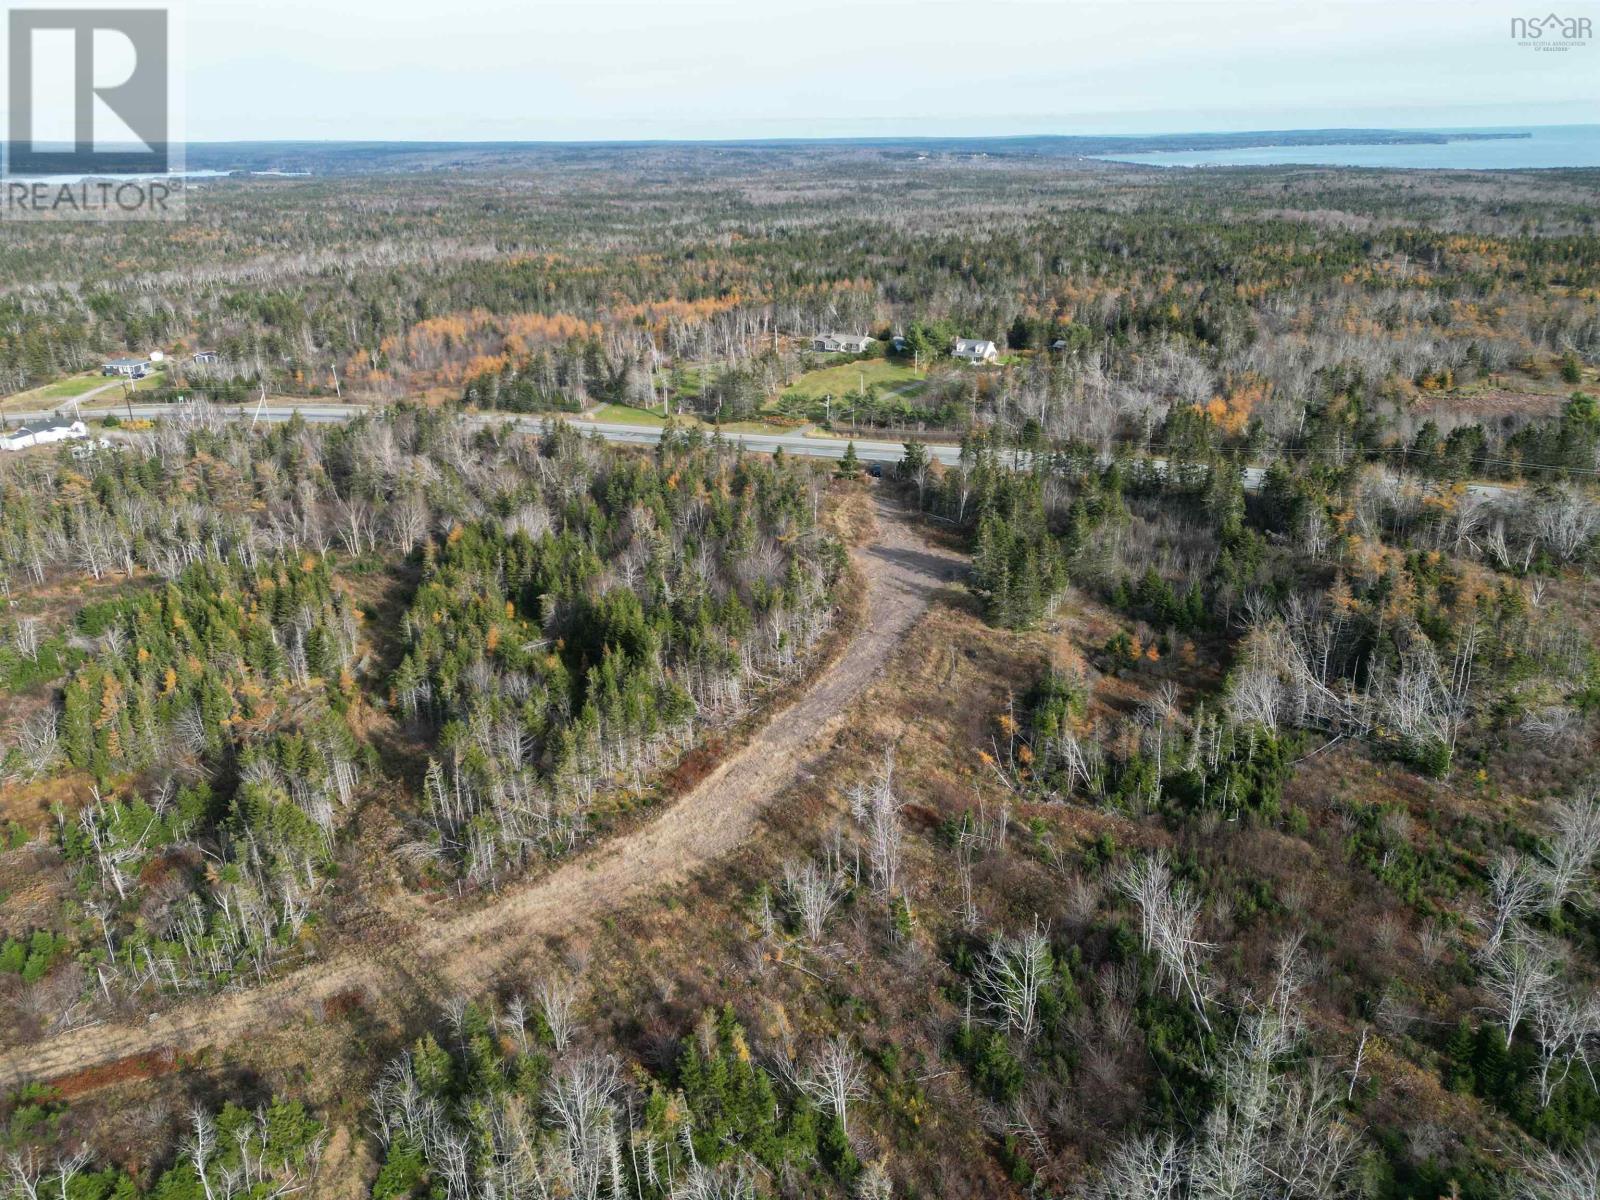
1552 32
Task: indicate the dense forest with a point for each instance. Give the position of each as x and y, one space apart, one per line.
1224 822
1262 295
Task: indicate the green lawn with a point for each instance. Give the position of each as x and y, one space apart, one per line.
733 428
61 389
114 397
689 380
623 414
73 386
846 379
76 385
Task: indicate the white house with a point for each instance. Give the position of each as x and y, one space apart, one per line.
42 435
972 350
128 368
841 343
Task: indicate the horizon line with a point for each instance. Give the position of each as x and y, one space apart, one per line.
879 138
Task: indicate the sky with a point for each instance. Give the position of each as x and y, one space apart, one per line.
671 69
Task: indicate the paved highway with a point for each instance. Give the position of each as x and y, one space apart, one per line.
631 435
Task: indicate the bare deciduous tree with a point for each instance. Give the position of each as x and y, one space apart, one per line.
1010 977
1565 1029
558 999
878 812
1515 891
1572 848
814 893
1151 1167
1271 1135
834 1079
26 638
581 1099
407 522
515 1021
1519 975
1169 916
1551 1175
39 741
1566 521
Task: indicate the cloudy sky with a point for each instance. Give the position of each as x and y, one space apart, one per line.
561 69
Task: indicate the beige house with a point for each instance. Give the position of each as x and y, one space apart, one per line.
841 343
972 350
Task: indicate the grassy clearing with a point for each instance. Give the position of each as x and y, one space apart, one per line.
76 385
624 414
847 378
61 389
687 381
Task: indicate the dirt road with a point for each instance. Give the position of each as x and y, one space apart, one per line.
456 954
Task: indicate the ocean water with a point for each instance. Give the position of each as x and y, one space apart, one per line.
70 179
1548 146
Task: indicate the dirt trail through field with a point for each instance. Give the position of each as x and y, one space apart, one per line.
458 953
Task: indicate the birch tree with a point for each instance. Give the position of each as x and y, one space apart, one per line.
1570 851
835 1078
876 809
1169 916
1010 977
1519 975
814 892
1549 1174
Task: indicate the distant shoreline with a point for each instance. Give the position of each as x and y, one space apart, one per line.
1484 149
1571 147
360 157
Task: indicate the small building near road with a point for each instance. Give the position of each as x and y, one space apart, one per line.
972 350
127 368
841 343
42 435
204 356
